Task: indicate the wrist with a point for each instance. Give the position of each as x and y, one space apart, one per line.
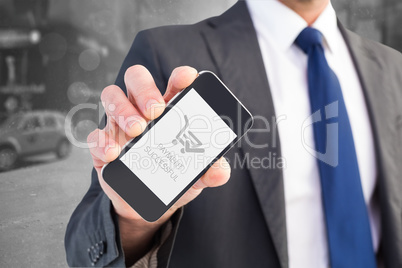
138 236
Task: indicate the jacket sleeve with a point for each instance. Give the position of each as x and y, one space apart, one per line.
92 235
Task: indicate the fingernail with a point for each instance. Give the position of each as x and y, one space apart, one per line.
137 126
109 147
151 103
154 108
194 71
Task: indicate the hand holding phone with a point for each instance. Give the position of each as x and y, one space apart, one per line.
197 128
127 118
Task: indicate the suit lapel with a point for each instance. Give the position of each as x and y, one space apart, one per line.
234 47
379 89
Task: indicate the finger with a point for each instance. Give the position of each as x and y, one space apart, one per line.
218 174
115 132
180 78
142 90
103 148
121 111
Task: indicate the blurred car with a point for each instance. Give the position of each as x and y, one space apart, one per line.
32 133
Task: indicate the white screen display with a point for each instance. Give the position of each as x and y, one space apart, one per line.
179 146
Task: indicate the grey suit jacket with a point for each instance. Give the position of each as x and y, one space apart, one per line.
242 224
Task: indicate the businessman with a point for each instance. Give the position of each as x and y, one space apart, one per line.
328 108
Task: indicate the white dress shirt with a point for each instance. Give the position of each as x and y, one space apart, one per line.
277 27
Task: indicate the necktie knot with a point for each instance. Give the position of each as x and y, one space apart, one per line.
308 38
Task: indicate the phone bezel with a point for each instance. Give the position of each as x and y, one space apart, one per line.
131 189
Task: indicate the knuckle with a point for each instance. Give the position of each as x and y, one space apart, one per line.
140 91
115 104
107 94
132 72
121 110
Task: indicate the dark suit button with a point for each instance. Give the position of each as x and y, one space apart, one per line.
101 247
96 251
93 255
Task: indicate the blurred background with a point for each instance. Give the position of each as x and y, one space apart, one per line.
55 58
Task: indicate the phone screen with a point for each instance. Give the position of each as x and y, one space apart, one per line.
179 146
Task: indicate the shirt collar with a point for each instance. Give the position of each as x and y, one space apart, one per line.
284 25
327 24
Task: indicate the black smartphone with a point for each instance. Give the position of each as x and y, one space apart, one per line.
198 126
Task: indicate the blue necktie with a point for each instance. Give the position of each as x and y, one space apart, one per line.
348 228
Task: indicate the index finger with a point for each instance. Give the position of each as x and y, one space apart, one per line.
180 78
142 91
